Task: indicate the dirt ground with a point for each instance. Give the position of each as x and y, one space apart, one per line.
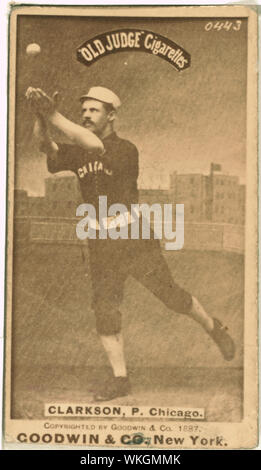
172 362
218 391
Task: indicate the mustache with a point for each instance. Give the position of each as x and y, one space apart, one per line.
87 121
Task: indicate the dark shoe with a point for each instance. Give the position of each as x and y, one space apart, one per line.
118 387
223 340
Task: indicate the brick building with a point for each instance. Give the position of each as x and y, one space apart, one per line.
154 196
37 206
62 195
20 202
190 190
216 197
225 198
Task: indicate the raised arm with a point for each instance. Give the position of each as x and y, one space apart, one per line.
45 109
41 132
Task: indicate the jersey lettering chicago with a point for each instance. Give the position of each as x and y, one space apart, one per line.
93 167
113 174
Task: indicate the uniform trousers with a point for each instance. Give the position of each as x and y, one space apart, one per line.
112 261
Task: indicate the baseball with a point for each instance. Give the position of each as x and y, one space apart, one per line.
33 49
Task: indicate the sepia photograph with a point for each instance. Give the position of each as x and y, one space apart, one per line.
131 313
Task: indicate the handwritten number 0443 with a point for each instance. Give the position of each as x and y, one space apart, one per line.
227 25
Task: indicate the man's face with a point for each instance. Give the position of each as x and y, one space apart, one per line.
94 116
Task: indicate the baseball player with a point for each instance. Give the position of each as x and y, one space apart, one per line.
107 165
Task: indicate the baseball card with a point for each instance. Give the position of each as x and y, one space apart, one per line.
131 269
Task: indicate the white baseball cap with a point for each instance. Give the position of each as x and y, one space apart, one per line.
102 94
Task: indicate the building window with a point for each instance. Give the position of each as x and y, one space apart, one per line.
192 209
191 180
222 182
54 187
54 205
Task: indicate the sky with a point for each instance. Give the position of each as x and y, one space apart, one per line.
179 121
